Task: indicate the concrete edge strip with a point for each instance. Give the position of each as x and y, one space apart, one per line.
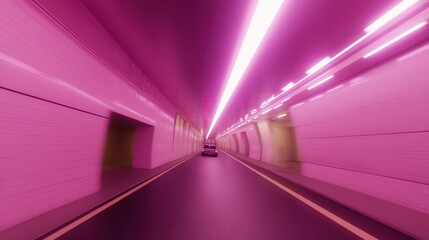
340 221
103 207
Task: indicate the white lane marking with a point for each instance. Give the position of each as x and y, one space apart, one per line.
352 228
91 214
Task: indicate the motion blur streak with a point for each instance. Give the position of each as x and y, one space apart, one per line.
263 16
399 37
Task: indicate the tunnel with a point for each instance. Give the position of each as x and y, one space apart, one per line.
245 119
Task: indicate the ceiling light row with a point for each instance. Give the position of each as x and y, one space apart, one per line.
264 14
372 28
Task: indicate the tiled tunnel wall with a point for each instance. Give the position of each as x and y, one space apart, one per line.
56 97
374 141
56 103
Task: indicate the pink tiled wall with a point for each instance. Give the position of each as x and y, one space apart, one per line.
242 148
266 141
232 144
254 143
56 95
375 140
49 155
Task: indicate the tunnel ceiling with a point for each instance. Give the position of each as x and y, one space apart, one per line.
187 48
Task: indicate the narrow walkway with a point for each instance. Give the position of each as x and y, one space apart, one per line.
114 182
216 198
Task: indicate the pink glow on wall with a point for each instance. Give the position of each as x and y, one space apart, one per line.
288 87
50 155
232 144
373 140
241 142
254 145
320 82
56 102
254 142
386 18
266 111
278 105
266 141
390 15
395 39
318 65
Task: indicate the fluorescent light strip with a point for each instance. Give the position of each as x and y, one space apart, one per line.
266 111
286 99
271 99
318 66
278 106
351 46
391 14
288 87
317 84
262 18
387 17
282 115
404 34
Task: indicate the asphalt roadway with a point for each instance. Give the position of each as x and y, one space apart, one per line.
219 198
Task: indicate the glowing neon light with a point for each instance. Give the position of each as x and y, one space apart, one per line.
404 34
281 104
286 99
282 115
288 87
380 22
391 14
266 111
264 14
387 17
271 99
319 65
317 84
